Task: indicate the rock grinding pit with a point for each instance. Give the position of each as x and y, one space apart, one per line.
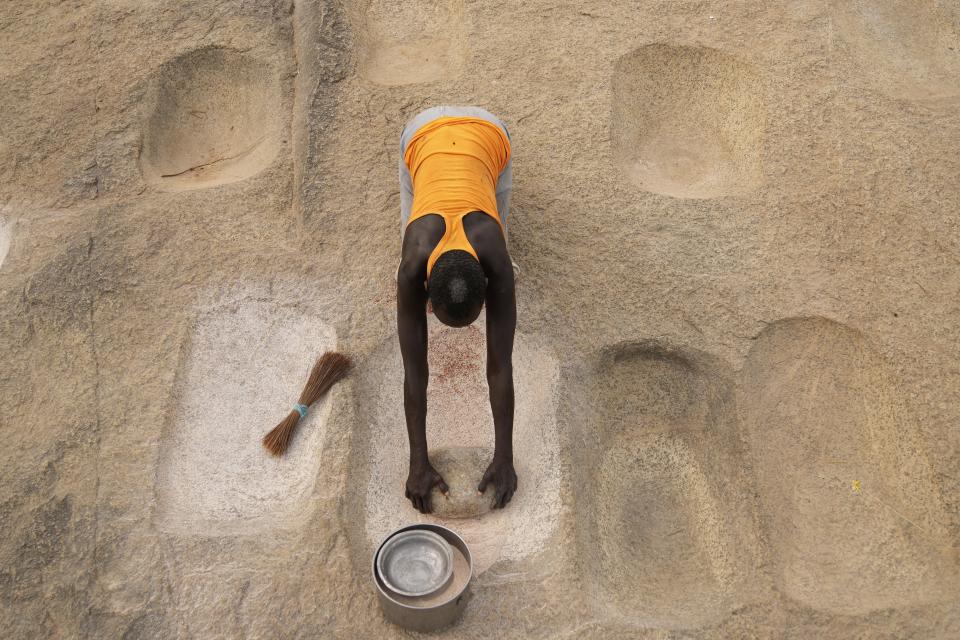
460 436
242 371
856 521
665 529
687 121
215 120
910 50
411 42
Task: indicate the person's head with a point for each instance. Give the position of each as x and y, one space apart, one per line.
457 287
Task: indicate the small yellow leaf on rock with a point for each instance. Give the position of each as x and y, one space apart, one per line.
856 486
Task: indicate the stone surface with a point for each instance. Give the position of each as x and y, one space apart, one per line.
687 121
244 367
215 120
6 231
667 534
737 386
842 472
460 468
907 49
409 42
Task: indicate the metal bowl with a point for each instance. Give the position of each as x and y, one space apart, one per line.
410 614
416 562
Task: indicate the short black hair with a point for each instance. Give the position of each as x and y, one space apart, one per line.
457 286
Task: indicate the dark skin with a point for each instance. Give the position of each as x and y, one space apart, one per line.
486 237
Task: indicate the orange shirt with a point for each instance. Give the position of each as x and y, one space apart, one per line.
454 163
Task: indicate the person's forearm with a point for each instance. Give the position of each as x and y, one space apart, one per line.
501 405
415 408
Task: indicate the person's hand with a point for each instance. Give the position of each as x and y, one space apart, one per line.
420 482
501 476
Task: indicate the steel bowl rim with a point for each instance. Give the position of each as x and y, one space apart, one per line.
382 589
440 540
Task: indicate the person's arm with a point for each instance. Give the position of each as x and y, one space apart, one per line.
412 333
501 325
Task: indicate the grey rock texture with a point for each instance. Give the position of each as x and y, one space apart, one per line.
737 227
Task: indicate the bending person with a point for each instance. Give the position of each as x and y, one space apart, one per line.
455 180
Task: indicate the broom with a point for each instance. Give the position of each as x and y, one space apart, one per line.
325 373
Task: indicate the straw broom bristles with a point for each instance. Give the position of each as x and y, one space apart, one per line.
329 368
